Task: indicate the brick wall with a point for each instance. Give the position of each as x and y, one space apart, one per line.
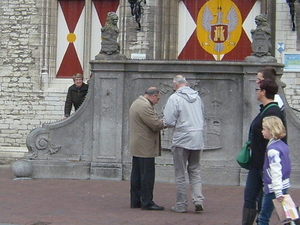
24 105
284 34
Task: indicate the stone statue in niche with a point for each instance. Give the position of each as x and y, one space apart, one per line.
261 41
110 47
261 37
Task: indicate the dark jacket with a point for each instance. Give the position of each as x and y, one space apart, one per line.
75 97
258 143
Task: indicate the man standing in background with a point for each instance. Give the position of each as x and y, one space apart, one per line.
76 94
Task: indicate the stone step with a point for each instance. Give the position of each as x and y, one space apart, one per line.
11 154
59 85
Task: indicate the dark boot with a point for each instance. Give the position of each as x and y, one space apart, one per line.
249 216
297 222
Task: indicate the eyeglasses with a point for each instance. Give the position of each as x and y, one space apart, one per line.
257 89
258 80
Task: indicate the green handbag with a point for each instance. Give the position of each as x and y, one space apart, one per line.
244 156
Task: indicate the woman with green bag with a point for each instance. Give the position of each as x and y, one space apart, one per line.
253 191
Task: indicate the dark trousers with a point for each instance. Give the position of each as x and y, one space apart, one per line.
254 189
142 182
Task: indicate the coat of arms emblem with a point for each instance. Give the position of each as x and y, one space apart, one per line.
219 27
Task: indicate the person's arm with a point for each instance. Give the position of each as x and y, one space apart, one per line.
150 118
275 171
170 113
68 104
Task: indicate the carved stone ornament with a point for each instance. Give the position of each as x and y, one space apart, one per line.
261 41
110 48
38 140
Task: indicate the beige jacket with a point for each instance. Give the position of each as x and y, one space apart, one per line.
144 126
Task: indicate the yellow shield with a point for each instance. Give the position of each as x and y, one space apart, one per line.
219 27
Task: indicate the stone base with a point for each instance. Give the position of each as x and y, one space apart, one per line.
23 178
51 169
106 171
262 59
110 57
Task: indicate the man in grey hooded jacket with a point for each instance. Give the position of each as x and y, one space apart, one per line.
184 111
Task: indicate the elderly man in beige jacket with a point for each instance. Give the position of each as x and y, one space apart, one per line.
145 129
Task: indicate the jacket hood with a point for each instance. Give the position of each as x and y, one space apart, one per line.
187 93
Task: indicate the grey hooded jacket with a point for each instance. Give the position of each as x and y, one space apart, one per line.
184 111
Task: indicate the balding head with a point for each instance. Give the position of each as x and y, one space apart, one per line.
152 94
179 81
152 91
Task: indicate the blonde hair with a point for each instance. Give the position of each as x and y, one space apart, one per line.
77 75
275 126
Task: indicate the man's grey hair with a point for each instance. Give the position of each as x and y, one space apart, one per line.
179 80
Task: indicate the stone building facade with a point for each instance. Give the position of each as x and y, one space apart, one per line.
291 41
32 95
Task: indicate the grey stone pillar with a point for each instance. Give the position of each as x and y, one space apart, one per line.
107 121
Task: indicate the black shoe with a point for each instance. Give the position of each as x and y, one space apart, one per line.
154 207
135 206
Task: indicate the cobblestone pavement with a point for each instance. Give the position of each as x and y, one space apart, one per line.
91 202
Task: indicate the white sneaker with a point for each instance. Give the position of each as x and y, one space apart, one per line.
179 210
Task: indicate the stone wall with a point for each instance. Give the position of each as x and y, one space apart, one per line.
93 143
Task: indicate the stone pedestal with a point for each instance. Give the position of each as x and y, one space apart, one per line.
262 59
101 56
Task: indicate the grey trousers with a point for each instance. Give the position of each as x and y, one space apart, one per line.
187 160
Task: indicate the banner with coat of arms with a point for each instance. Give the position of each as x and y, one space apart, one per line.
70 33
216 29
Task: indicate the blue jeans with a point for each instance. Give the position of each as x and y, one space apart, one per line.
254 189
267 208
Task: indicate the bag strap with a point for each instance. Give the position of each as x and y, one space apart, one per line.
268 107
273 104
